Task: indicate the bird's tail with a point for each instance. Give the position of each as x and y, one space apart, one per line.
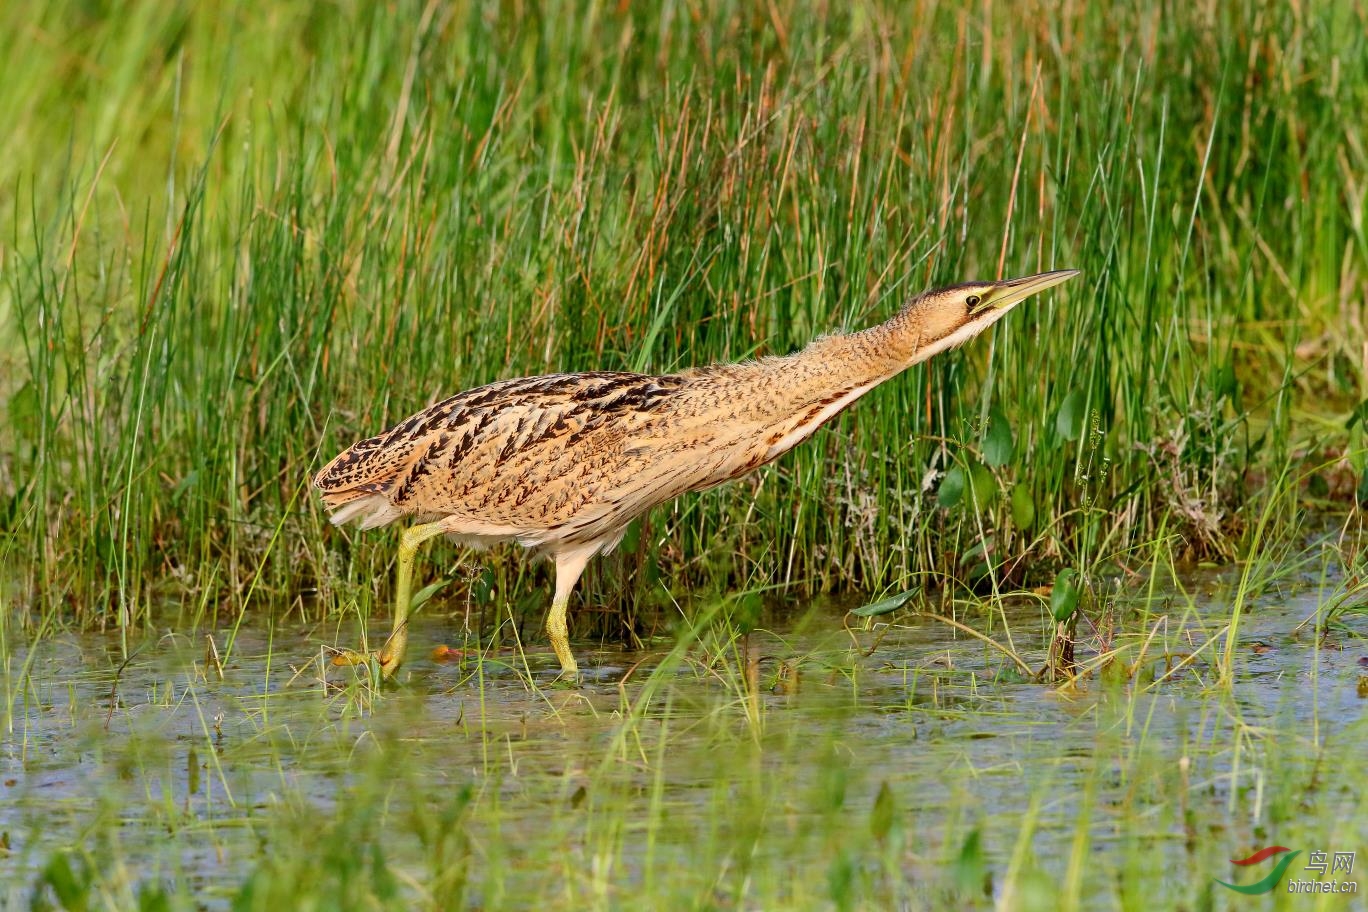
358 481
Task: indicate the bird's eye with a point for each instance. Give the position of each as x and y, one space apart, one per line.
973 301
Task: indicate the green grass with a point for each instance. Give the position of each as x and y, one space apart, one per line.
237 242
905 771
238 239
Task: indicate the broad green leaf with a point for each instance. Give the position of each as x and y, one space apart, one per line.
482 589
951 488
884 606
971 867
981 484
427 592
976 550
1069 421
1064 598
975 560
997 442
884 815
70 885
1023 507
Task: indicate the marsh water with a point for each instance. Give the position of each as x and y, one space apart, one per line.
838 752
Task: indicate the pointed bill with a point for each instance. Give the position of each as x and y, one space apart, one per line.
1013 291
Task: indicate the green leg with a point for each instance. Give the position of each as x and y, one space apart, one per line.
569 566
558 629
391 655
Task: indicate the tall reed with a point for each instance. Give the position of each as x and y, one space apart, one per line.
240 240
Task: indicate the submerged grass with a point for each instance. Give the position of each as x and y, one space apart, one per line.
905 771
241 239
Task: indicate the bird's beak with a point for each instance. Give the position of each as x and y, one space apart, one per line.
1009 292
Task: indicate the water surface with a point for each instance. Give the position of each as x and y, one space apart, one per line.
903 762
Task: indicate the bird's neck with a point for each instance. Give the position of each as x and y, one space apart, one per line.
858 360
779 402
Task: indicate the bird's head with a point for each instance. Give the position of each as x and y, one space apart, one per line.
947 317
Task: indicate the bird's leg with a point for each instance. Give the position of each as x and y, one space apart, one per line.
558 629
391 655
569 566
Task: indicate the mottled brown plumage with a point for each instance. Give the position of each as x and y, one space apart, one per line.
562 463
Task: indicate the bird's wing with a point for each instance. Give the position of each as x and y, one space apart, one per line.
528 453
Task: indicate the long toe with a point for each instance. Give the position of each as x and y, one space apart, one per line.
352 657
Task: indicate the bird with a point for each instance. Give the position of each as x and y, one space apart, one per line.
562 463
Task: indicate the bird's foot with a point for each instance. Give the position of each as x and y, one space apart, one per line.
569 676
563 681
387 663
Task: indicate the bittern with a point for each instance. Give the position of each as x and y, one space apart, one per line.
562 463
